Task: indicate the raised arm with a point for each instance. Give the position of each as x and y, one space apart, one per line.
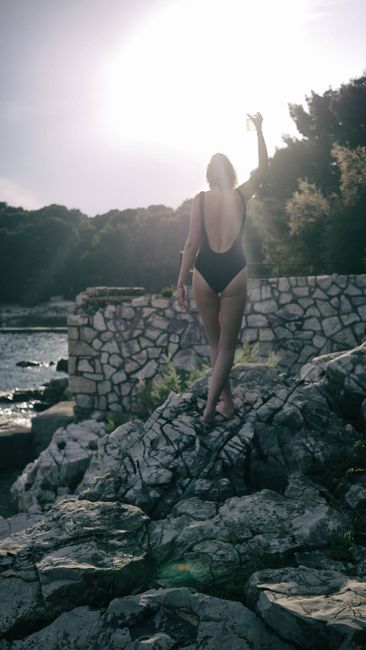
189 251
251 185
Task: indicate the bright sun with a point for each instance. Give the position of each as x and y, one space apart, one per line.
187 78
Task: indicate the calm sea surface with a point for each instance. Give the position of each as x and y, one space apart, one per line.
36 346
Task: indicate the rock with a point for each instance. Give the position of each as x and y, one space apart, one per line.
80 551
160 619
16 445
46 423
310 608
260 508
206 545
59 468
55 390
62 365
16 523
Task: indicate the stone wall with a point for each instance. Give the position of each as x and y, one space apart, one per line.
120 338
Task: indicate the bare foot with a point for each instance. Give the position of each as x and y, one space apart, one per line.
208 418
225 410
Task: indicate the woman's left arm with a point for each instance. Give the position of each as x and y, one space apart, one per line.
189 251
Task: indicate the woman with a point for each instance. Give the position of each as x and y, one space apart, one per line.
220 273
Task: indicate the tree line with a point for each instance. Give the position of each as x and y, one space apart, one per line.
308 217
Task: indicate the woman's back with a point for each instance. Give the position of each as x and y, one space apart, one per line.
224 211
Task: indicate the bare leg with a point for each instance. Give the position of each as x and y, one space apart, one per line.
208 304
232 305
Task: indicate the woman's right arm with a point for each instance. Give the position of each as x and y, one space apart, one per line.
189 251
249 188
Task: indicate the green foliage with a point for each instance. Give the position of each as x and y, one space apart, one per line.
193 376
167 292
341 545
114 421
170 380
308 217
315 192
358 457
250 354
247 354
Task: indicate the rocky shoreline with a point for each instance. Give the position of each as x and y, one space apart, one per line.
158 534
52 313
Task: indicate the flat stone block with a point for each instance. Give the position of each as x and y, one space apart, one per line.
119 377
81 349
87 334
16 445
102 403
301 292
84 401
85 366
325 308
349 319
72 365
284 298
141 301
254 295
266 334
159 302
250 334
106 336
331 325
104 387
77 319
283 284
352 290
266 307
81 385
95 376
159 322
128 312
361 280
324 281
73 333
362 312
311 324
110 346
257 320
114 360
45 424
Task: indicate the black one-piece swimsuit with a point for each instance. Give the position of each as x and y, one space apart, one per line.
218 269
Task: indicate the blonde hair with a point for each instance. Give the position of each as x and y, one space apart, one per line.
220 172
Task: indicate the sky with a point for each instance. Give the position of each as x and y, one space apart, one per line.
121 103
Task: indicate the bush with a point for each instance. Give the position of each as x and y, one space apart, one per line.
167 292
159 391
250 354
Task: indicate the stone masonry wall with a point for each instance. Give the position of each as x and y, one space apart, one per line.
119 338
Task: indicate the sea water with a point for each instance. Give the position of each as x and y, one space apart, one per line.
42 347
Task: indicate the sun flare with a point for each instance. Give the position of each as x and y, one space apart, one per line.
188 76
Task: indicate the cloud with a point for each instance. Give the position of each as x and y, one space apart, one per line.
15 195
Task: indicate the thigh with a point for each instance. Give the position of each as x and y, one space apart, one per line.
232 305
208 304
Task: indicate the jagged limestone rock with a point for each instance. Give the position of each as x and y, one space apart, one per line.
311 608
79 553
161 620
59 468
206 544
